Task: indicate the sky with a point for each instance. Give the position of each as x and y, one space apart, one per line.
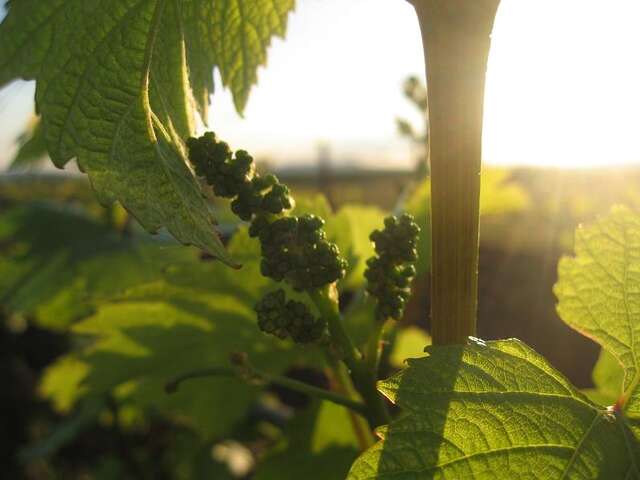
562 86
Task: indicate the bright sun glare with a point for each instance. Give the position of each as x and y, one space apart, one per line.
563 85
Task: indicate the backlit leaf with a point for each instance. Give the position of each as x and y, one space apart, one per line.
117 84
409 342
54 262
192 316
599 292
495 410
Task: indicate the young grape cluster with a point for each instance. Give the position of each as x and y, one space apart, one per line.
390 272
294 248
234 176
283 318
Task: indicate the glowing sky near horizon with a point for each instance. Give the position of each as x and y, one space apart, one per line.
563 85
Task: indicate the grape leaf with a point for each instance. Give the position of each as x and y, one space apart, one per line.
193 316
598 292
607 378
495 410
63 433
409 342
189 458
50 258
350 228
318 444
312 203
499 194
114 89
240 33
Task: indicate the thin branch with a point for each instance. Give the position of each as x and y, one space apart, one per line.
250 374
342 383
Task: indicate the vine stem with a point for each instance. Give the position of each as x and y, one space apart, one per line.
456 41
250 374
373 349
364 380
341 381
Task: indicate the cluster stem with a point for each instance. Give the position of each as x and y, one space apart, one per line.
363 377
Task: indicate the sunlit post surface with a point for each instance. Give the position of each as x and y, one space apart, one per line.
456 40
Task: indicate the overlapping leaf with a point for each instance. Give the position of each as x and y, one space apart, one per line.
495 410
350 228
607 379
116 82
598 289
599 293
50 258
409 342
192 317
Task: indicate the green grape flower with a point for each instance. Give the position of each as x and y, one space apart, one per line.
284 319
234 176
390 272
294 248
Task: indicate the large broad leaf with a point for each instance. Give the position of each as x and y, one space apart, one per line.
495 410
191 317
599 289
599 293
55 262
116 82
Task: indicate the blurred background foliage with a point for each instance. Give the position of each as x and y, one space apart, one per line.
97 316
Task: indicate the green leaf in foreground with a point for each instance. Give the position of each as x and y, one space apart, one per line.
495 410
607 378
599 293
51 258
115 84
191 317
